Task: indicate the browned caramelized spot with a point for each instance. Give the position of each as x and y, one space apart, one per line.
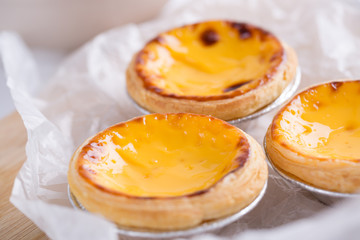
235 86
138 120
335 85
84 171
242 142
276 55
159 39
209 37
119 125
198 193
92 153
139 60
155 89
350 126
240 160
243 30
264 35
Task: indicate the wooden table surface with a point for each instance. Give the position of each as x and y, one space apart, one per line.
13 224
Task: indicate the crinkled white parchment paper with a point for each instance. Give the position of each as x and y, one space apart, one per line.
87 94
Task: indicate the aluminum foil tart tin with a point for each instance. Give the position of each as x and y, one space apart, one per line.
324 196
202 228
284 96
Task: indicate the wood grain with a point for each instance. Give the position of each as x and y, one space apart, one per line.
13 224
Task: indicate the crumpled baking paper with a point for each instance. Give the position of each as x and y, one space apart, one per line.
87 94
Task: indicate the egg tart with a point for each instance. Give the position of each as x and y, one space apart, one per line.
315 138
167 172
220 68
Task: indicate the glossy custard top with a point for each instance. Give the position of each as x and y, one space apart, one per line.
163 155
323 121
209 59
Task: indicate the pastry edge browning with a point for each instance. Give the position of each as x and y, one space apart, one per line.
229 195
226 109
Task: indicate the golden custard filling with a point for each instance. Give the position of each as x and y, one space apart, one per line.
162 155
323 121
208 59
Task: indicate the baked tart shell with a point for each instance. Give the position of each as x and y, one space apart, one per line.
147 82
232 192
314 138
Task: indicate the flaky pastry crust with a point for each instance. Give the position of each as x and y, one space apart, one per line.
232 193
236 103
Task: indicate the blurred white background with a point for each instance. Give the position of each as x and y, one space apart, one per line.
54 28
